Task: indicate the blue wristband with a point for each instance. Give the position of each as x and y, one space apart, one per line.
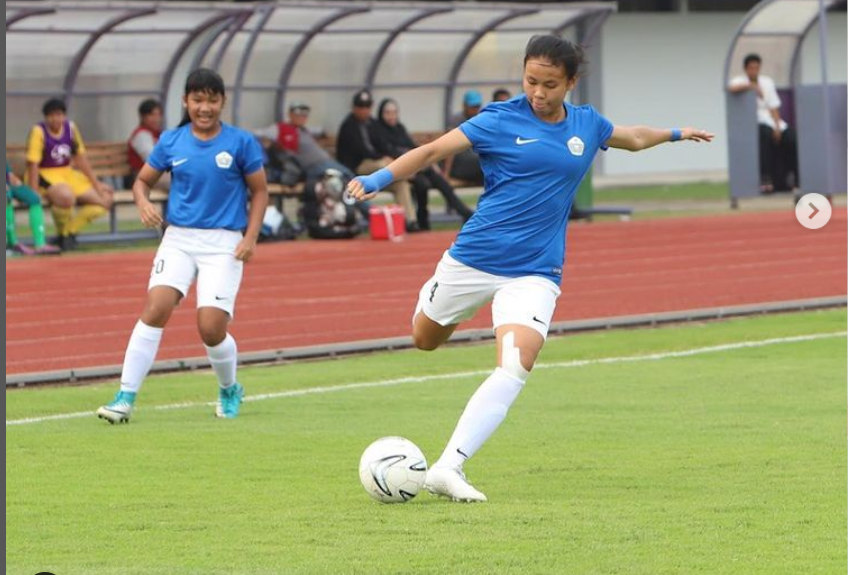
676 134
376 181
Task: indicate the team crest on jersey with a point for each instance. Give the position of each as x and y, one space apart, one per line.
61 152
576 146
224 160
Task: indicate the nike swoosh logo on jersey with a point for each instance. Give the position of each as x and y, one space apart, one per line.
521 141
538 320
176 163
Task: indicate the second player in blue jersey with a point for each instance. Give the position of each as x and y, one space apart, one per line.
216 171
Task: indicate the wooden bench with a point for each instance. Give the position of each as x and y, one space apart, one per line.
110 164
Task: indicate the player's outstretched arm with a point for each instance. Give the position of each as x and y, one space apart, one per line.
452 143
635 138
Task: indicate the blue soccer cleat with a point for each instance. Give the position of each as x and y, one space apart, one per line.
229 401
119 409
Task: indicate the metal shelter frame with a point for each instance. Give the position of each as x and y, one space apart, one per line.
819 109
225 36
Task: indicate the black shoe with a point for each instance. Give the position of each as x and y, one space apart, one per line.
67 243
412 227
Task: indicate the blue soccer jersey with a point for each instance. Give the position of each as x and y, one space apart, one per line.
531 172
208 190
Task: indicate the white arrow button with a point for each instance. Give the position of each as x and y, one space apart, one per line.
813 211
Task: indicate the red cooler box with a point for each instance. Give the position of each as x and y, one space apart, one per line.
387 222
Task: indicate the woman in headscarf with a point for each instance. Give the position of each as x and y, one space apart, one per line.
394 141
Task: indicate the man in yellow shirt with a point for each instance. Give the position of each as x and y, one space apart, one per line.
51 146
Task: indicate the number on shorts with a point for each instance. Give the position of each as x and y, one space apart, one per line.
433 291
158 266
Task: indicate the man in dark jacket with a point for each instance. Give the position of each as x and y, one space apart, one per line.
356 149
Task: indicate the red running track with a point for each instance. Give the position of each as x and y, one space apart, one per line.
78 310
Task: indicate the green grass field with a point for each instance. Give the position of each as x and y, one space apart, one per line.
724 461
694 192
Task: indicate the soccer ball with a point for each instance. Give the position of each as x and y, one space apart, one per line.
392 470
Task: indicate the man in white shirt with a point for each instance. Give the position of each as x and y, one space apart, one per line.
778 148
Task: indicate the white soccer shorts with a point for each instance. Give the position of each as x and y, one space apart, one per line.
457 291
209 256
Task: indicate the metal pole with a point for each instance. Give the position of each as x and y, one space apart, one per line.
825 92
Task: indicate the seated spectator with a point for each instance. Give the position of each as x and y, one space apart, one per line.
144 137
51 145
501 95
466 165
356 148
16 190
298 140
394 141
778 144
300 143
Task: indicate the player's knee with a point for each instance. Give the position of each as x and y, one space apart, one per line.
155 315
61 197
212 335
424 342
511 360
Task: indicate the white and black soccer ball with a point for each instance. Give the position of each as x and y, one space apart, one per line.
392 470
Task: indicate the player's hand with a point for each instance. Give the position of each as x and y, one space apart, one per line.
777 135
360 188
696 135
104 190
150 216
245 249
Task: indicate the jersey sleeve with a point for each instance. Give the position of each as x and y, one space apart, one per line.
738 81
35 145
79 145
604 129
483 129
252 156
158 158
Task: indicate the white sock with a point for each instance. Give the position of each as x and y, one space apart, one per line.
141 351
224 358
485 411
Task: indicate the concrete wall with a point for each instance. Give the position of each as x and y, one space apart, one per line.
666 70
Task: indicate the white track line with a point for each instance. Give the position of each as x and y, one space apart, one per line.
460 374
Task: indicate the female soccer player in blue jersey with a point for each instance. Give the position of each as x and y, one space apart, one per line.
534 149
210 235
